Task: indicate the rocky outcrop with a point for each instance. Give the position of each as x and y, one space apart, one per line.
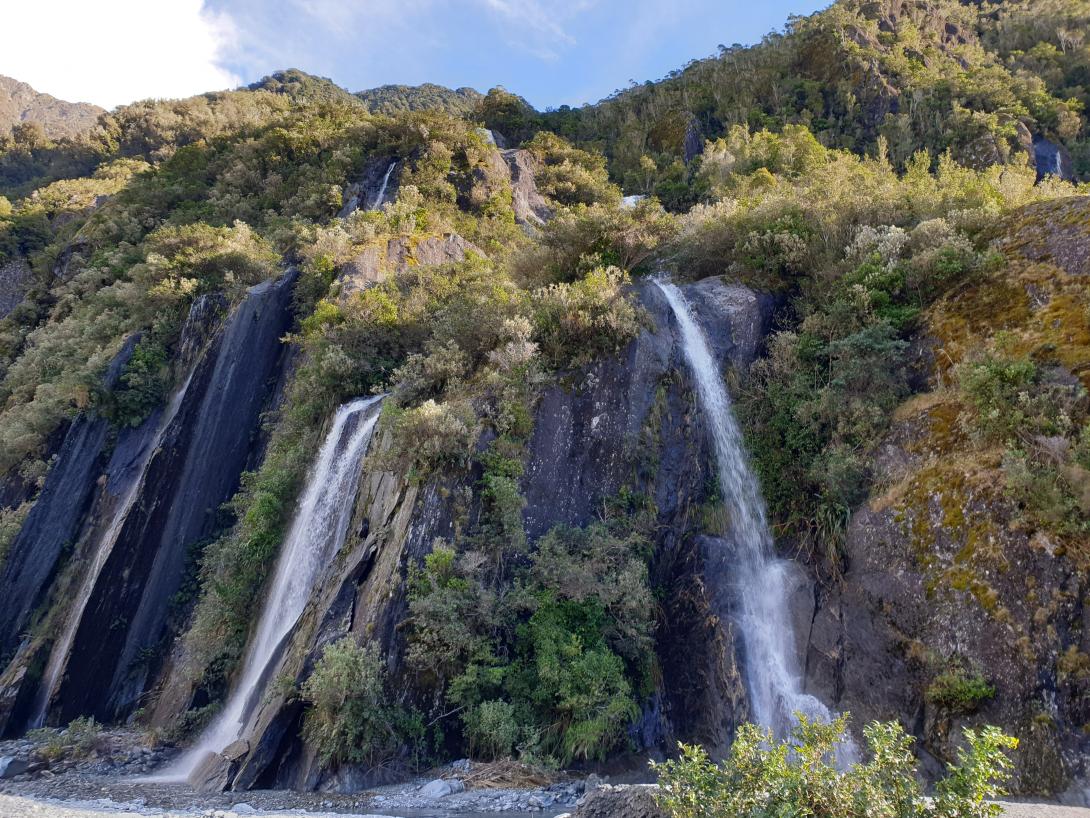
531 209
947 578
374 264
15 277
631 801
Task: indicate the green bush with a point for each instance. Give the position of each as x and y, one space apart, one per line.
765 778
492 730
561 658
575 323
959 691
143 385
349 717
1002 394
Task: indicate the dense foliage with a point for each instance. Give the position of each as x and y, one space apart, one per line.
762 778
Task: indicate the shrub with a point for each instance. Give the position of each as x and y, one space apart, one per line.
83 737
764 777
492 730
433 435
959 691
571 176
575 323
999 389
349 717
143 385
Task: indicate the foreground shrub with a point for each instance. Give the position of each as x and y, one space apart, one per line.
763 778
350 718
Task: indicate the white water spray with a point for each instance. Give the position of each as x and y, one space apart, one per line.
317 534
377 203
774 681
58 656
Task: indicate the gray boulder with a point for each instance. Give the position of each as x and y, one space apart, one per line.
11 766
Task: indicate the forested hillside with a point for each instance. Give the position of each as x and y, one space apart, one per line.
880 218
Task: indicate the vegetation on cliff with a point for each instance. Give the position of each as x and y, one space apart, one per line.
870 167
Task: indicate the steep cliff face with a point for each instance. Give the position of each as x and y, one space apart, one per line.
137 514
949 576
53 523
627 421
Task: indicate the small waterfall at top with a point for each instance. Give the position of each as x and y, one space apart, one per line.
58 656
774 681
317 534
377 203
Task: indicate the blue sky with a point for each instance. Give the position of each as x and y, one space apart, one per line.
553 52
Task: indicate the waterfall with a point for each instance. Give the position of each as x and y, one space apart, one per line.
58 656
377 203
317 534
773 680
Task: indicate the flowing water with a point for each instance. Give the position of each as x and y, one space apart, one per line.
377 203
58 657
773 678
317 534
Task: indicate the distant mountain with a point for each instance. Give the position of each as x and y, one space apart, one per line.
21 103
386 99
392 99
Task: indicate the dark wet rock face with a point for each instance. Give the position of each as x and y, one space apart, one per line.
54 521
195 468
693 145
631 421
179 473
1052 159
628 420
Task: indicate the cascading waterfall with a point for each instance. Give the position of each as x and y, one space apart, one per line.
377 203
317 533
774 681
58 656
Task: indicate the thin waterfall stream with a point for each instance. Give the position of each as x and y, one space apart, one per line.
317 533
773 678
377 203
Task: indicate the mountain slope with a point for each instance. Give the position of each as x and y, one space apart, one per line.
21 103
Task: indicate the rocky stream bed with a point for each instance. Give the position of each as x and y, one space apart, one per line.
58 774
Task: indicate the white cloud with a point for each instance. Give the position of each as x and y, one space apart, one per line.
111 52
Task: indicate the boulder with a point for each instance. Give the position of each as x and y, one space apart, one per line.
11 766
629 801
213 774
441 788
530 206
